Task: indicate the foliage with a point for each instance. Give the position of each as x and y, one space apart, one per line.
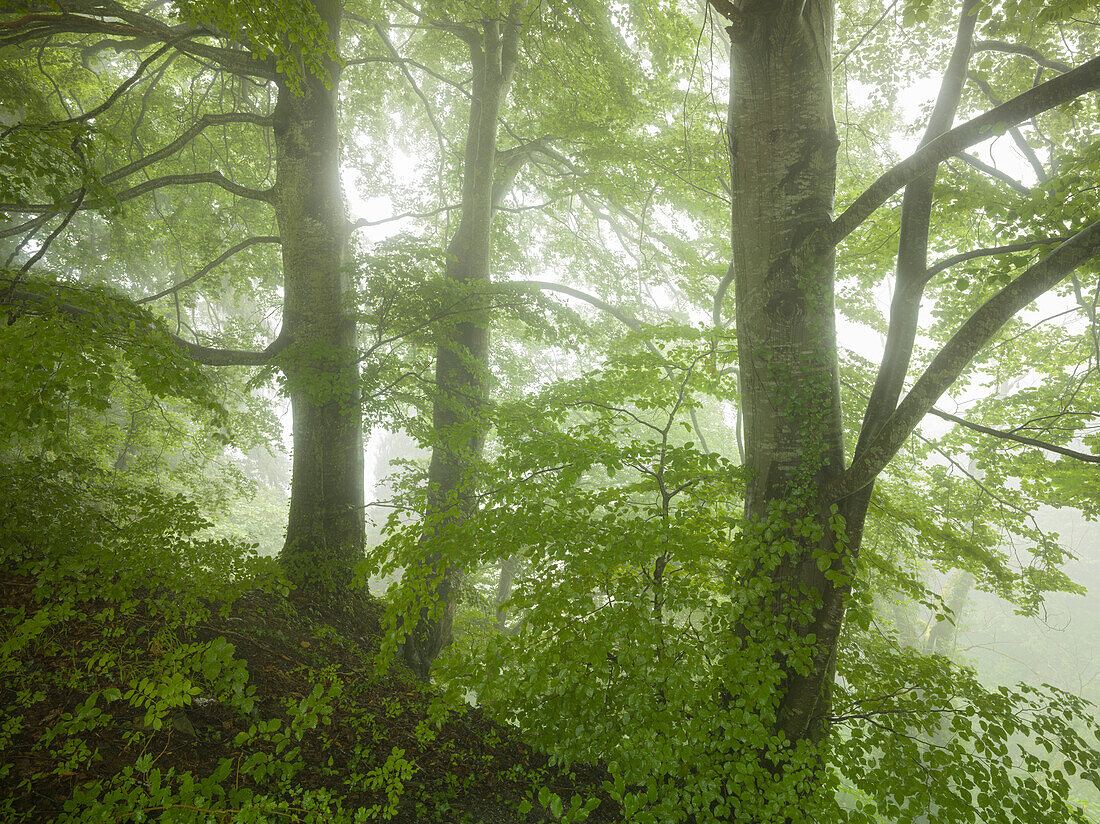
152 674
625 636
650 628
69 345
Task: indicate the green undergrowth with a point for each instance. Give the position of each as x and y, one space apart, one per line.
150 674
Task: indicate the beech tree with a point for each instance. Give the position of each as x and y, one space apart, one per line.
782 150
317 341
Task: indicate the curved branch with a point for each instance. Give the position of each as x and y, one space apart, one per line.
361 222
1041 173
460 87
205 270
196 128
1085 78
1022 246
623 317
79 18
216 178
37 25
106 104
957 354
994 172
190 134
428 110
1034 55
912 256
205 355
1011 436
53 235
720 295
209 356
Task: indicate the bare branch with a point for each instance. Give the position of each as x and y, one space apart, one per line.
361 222
626 318
1011 436
205 270
440 136
216 178
1037 166
994 172
232 357
405 61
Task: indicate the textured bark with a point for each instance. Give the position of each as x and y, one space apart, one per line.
325 526
459 420
783 164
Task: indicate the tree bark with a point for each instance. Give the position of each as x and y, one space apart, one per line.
783 147
325 527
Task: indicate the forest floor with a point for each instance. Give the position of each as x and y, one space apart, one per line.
327 739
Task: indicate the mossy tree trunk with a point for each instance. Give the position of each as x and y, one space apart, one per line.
325 527
804 508
783 163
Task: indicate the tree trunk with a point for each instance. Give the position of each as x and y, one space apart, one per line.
459 415
505 582
783 163
325 526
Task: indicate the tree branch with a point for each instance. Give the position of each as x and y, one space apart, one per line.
912 259
1084 78
87 18
1022 246
957 354
361 222
994 172
623 317
205 270
1025 51
209 356
1011 436
1041 173
190 134
53 235
415 87
125 171
216 178
106 104
200 354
